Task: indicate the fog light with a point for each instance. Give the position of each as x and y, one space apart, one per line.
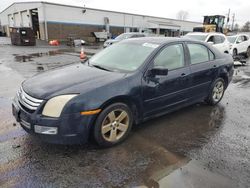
45 130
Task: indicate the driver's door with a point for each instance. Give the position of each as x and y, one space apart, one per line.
164 92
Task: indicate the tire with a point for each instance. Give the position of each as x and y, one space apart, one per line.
248 52
216 92
235 53
109 130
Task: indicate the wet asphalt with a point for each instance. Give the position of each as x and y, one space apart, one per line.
198 146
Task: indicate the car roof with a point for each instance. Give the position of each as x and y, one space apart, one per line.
206 34
159 40
237 35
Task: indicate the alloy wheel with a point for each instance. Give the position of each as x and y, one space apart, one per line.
218 91
115 125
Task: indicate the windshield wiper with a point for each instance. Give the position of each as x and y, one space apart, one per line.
100 67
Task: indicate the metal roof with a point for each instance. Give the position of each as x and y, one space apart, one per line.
57 4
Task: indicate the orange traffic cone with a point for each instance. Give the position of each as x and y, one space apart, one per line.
54 43
82 54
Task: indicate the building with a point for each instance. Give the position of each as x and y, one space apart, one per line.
55 21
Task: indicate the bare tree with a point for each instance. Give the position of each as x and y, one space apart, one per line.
246 27
182 15
236 27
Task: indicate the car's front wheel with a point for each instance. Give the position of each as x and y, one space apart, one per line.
216 92
235 52
113 125
248 52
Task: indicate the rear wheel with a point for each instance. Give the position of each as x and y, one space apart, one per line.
216 92
113 125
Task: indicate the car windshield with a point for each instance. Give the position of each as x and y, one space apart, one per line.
232 39
123 57
124 36
197 37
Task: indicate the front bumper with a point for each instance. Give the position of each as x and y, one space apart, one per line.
68 129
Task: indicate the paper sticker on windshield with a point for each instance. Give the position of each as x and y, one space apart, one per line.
150 45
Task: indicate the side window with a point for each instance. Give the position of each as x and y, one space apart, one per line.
222 39
244 38
217 40
172 57
239 40
211 39
198 53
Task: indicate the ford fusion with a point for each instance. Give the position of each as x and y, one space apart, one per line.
125 84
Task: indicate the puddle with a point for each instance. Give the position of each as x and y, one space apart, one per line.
241 76
193 174
31 56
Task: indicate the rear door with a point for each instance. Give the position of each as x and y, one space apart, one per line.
203 68
240 44
162 93
219 43
245 43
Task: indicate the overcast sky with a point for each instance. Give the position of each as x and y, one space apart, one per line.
169 9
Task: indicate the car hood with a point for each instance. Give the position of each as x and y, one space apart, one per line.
77 78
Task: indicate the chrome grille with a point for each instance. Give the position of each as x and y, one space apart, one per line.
26 100
25 124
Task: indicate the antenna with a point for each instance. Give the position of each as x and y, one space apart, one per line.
233 22
228 18
84 9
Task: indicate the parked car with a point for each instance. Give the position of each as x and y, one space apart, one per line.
122 37
240 44
218 40
125 84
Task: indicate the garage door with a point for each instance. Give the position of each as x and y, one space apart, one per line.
25 19
17 20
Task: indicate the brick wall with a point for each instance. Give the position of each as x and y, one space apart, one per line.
61 31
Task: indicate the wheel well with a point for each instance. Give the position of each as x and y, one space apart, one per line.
126 100
225 78
226 52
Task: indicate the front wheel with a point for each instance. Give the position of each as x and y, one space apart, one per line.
113 125
248 52
235 53
216 92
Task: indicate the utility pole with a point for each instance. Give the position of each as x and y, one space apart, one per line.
228 18
233 22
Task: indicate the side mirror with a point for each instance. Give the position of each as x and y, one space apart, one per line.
158 71
210 42
238 41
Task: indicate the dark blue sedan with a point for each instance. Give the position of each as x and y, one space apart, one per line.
125 84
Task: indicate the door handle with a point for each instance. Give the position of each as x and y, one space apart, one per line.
183 74
214 66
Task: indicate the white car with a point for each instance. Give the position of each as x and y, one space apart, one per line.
123 36
218 40
240 44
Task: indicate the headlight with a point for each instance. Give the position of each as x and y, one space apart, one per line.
55 105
